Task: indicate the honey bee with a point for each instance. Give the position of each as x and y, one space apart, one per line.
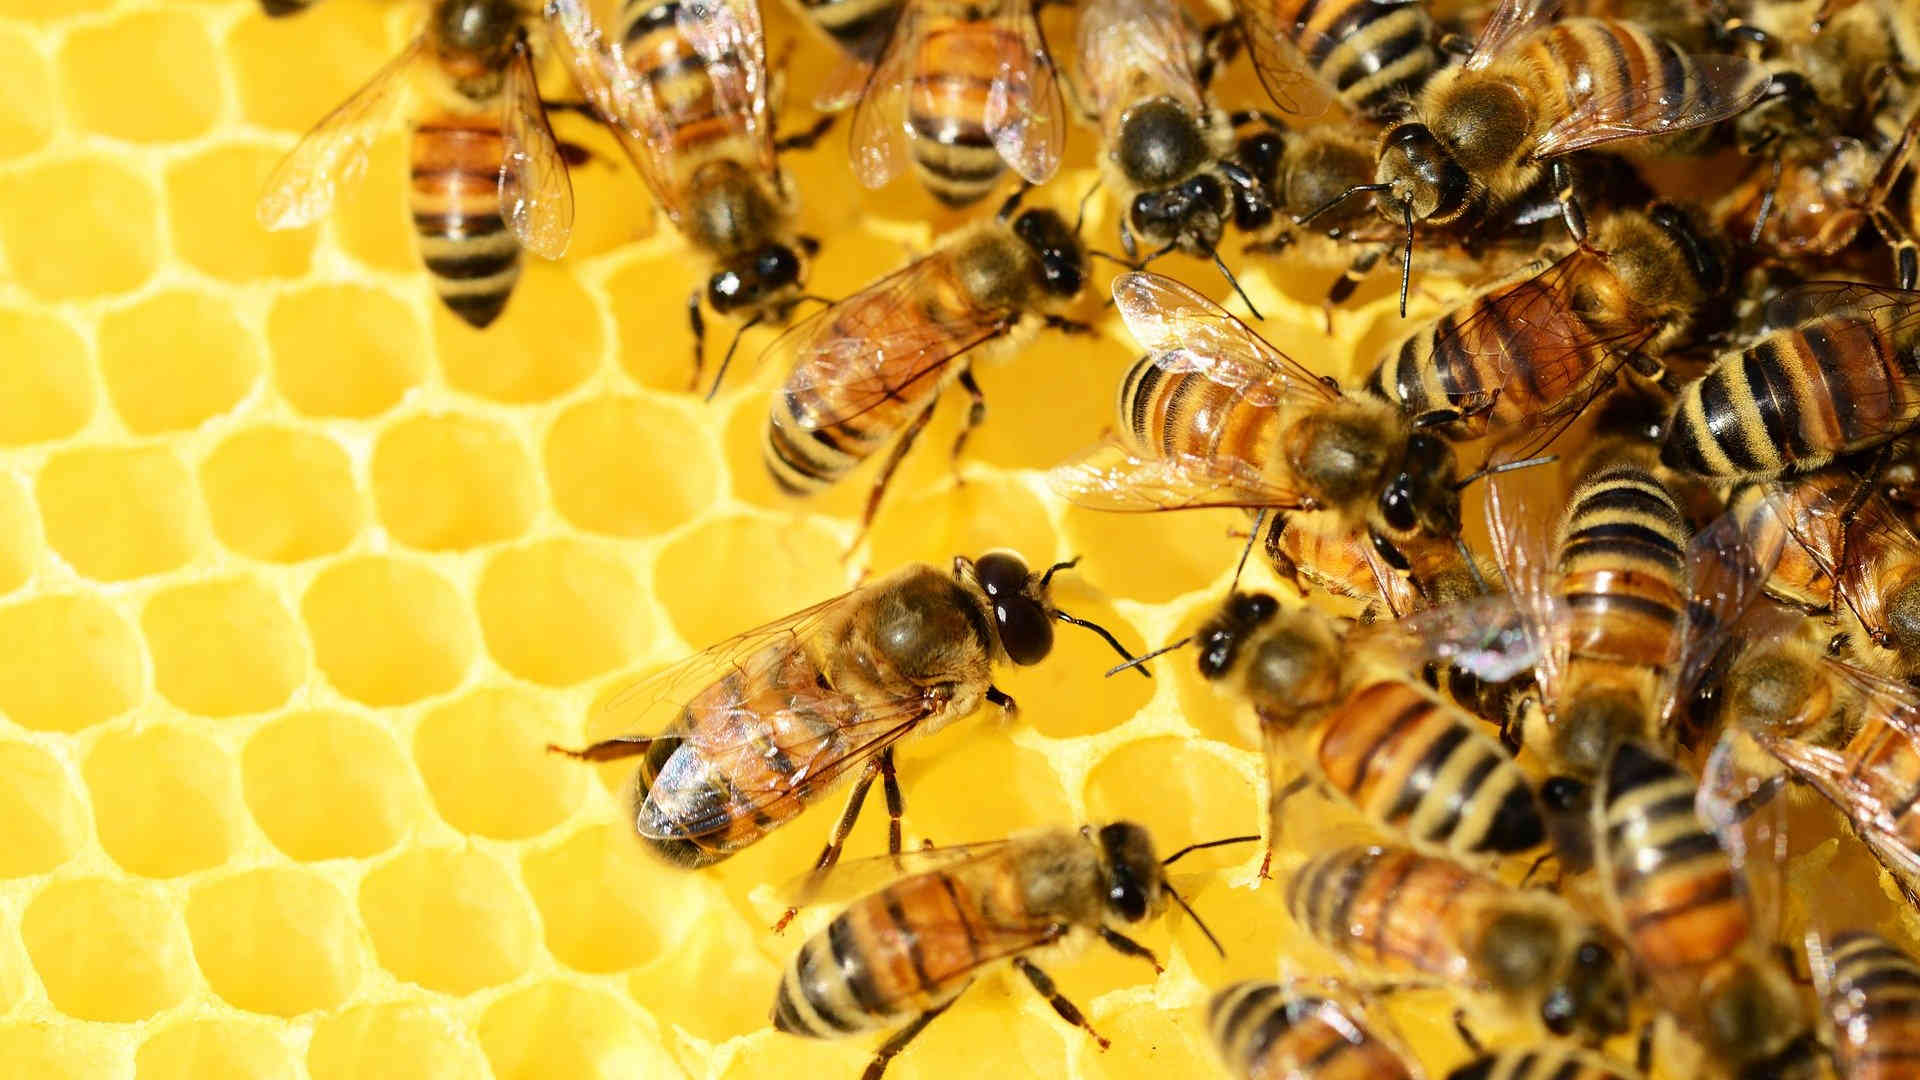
1419 574
768 721
1549 1062
871 368
964 91
488 177
1870 994
1264 1032
904 954
1838 375
1403 913
1367 55
687 97
1682 905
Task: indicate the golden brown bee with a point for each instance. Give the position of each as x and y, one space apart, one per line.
1366 54
768 721
903 954
1263 1032
1682 906
965 91
1403 913
870 369
488 177
1870 993
1420 573
1842 373
1547 1062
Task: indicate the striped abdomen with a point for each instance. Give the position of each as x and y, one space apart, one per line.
1542 1063
1623 576
1873 1002
680 78
1262 1033
859 27
1323 551
958 63
1426 771
1577 60
1394 909
1166 414
1796 399
471 256
1796 577
1374 54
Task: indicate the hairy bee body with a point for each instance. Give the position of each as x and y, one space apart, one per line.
1370 54
1264 1033
1797 576
1542 1063
1872 1002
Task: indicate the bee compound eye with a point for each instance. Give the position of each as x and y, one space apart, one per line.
1025 630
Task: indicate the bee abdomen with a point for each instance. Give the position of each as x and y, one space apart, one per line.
1383 906
894 954
1547 1063
1608 55
1376 54
1874 1002
857 26
471 256
947 108
1261 1032
1623 561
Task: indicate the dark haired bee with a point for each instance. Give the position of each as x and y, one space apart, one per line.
1264 1032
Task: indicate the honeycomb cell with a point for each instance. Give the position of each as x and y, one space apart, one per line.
560 611
452 481
19 540
1177 789
176 359
66 662
1152 1042
280 494
388 632
555 1029
344 350
370 216
715 951
620 213
278 941
107 950
729 574
947 800
26 96
46 1051
116 513
105 238
484 758
450 921
398 1039
327 785
649 304
213 235
43 821
164 800
1190 550
147 49
1068 693
1039 413
48 393
198 1049
987 512
784 1055
624 916
291 72
997 1012
520 360
223 648
630 466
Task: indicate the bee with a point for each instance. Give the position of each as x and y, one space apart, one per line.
687 97
965 91
1675 893
1841 373
488 177
1870 993
1548 1062
1404 913
1367 55
1263 1032
1419 574
901 956
858 29
871 368
768 721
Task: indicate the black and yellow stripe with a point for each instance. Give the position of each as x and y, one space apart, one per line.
1872 1000
703 127
962 54
1263 1033
472 258
1375 55
1542 1063
859 27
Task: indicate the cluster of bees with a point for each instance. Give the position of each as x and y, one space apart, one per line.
1689 371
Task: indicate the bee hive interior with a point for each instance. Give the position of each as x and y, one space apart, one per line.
298 576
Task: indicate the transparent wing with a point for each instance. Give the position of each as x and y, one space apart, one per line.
1131 43
1487 637
1523 550
1025 116
1726 576
1111 477
535 189
1718 86
728 35
334 153
1511 21
1277 58
1739 802
1186 332
877 138
852 878
624 100
1898 309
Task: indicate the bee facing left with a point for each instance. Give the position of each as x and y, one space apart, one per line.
488 177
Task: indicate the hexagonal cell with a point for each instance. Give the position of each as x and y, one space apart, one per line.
291 72
1151 1042
370 217
19 538
619 923
387 632
1002 1013
484 758
47 1051
452 481
223 648
40 816
147 49
281 494
396 1039
630 466
26 85
555 1029
327 785
560 611
1177 789
105 239
344 350
520 360
449 920
948 804
1067 693
35 10
718 951
783 1055
648 299
49 395
619 216
164 800
107 950
70 662
988 511
278 941
118 513
1049 400
733 573
205 1048
211 236
1191 550
176 359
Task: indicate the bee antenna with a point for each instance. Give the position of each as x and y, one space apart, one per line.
1357 189
1253 535
1406 257
1197 921
1084 200
1485 471
1046 579
1106 636
1214 254
1473 566
1013 203
1205 844
727 360
1138 661
1098 254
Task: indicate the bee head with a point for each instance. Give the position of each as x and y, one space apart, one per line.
1063 261
1774 693
1590 998
482 28
1134 884
1193 213
1158 143
1423 175
750 279
1221 637
1022 615
1422 495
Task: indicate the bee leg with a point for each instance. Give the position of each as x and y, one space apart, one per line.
1350 280
976 415
1906 254
699 325
1294 787
1252 116
841 830
1790 960
1459 45
614 749
804 140
1472 1041
1068 1011
1643 1050
896 803
1126 946
898 1040
898 454
1004 700
1067 326
1571 212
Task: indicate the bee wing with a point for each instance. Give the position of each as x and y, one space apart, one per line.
1151 40
850 878
1523 550
1750 827
1722 86
1816 299
1186 332
728 35
1727 575
878 135
1025 116
1110 476
334 153
623 99
1283 68
1511 21
1487 637
534 186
